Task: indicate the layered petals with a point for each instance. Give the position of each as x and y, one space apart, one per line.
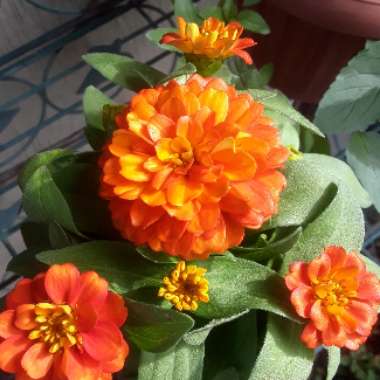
213 39
339 297
68 329
190 166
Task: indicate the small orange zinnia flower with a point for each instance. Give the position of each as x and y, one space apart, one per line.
213 39
339 297
63 325
190 166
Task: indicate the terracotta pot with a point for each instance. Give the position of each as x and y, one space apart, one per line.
354 17
304 45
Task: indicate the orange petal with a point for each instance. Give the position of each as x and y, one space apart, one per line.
7 328
114 310
319 316
25 316
93 289
79 366
102 342
297 275
319 268
21 294
118 362
153 197
238 166
311 336
369 288
302 299
11 351
217 101
37 361
61 282
365 316
334 334
132 168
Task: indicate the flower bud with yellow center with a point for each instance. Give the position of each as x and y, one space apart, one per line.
55 326
185 286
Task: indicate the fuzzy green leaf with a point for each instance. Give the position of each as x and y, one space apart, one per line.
283 356
307 179
253 22
93 102
353 100
236 285
363 154
155 35
187 10
40 159
156 257
229 9
124 71
333 360
118 262
272 250
155 329
180 363
280 106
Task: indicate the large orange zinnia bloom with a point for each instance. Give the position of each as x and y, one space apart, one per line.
213 39
63 325
190 166
338 295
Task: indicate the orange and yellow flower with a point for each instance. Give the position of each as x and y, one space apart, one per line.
63 325
338 295
190 166
213 39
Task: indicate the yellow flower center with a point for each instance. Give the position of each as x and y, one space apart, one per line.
177 151
55 326
185 287
334 294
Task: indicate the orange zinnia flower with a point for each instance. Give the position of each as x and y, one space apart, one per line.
339 297
213 39
190 166
63 325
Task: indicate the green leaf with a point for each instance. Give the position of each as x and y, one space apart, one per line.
253 22
155 35
236 285
279 104
248 76
155 329
118 262
26 264
353 101
60 238
232 345
283 356
40 159
341 224
212 11
35 235
289 133
307 180
44 202
180 363
199 335
229 9
124 71
93 102
363 155
248 3
183 71
272 250
333 360
371 265
187 10
156 257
